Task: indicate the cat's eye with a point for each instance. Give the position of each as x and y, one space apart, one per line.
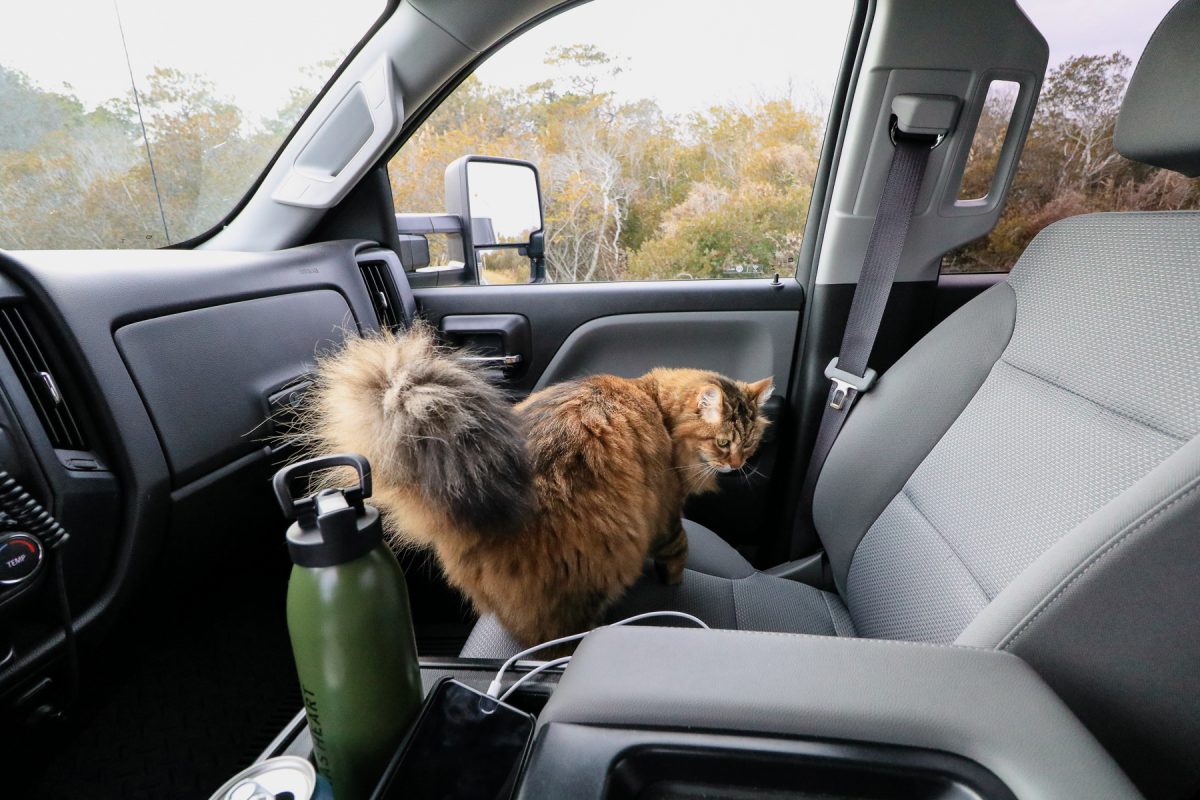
723 442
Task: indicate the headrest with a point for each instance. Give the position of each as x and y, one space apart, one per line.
1158 120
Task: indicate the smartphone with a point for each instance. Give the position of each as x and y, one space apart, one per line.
464 745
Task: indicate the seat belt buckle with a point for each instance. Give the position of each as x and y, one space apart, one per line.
844 381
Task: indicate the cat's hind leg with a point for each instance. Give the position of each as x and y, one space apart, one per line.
565 614
670 555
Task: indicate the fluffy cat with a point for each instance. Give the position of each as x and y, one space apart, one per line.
543 513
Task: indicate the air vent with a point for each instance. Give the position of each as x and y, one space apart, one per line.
38 379
383 297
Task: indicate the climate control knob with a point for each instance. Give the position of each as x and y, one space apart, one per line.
20 557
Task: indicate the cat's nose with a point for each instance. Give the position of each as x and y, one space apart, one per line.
736 462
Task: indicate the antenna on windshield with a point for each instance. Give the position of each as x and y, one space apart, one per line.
141 121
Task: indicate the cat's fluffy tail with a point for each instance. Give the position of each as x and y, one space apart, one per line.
431 424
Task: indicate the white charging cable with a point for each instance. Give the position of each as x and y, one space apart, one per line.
494 686
540 668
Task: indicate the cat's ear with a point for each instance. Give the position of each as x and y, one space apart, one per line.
760 391
709 404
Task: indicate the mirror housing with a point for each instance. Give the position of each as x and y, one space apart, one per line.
498 202
536 250
414 251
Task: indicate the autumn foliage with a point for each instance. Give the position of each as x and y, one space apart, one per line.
74 177
630 191
1068 166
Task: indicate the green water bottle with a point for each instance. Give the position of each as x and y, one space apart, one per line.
351 628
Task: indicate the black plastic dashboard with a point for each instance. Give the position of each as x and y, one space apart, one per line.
165 364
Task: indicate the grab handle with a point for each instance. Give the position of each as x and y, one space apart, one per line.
294 508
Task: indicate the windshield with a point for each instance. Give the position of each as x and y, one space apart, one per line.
141 123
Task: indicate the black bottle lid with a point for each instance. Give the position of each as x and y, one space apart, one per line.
333 526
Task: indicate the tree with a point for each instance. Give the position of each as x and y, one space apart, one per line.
582 68
1069 165
751 173
629 191
1077 115
75 177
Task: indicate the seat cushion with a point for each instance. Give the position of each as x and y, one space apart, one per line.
718 586
488 639
712 555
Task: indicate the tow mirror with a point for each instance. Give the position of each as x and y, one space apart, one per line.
499 204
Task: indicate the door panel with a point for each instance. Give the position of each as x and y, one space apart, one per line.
745 345
556 310
743 328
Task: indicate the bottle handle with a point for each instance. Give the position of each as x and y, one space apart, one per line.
294 508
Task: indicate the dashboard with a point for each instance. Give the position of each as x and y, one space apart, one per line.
138 391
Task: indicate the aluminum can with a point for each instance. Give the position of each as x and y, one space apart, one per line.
285 776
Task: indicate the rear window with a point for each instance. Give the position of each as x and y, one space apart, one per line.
141 123
1069 165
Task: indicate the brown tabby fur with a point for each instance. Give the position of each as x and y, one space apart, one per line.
542 514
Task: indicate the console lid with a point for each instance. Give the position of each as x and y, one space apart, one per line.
986 706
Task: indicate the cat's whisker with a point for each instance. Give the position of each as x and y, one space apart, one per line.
695 480
746 477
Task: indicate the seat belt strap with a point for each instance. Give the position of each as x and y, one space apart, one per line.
848 373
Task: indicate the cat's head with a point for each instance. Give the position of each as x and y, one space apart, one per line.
731 422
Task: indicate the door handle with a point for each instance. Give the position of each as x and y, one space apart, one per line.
500 340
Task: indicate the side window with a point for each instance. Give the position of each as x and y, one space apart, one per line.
1069 165
991 132
674 148
142 124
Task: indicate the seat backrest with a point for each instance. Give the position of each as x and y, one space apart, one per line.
1098 383
1028 476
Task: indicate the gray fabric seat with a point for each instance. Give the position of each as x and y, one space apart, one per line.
1027 477
723 589
720 587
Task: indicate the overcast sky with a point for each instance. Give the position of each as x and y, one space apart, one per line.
690 54
253 50
685 54
1075 27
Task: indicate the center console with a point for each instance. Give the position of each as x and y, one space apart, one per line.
679 713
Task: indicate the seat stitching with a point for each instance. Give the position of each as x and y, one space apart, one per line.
1096 558
908 496
1097 403
829 611
737 618
856 639
833 619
